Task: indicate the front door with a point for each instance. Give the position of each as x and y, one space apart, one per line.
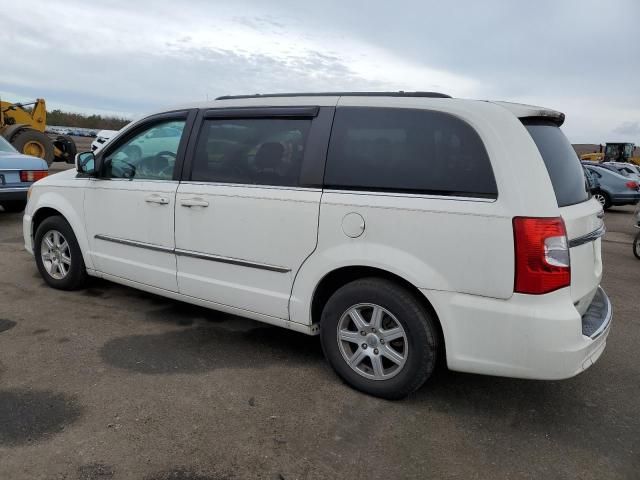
246 218
130 208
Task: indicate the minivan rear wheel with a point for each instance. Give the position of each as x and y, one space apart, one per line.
379 338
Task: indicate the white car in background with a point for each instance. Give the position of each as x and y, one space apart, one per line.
102 138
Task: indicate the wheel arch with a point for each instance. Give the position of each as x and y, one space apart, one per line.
41 215
58 206
339 277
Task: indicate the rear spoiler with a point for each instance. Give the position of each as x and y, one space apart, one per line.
545 116
531 112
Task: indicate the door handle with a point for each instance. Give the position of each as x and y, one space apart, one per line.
193 202
155 198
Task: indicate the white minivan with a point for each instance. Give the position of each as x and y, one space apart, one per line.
404 228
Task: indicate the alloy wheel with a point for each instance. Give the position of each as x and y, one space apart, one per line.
372 341
55 254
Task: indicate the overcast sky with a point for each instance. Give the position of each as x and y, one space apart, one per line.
581 57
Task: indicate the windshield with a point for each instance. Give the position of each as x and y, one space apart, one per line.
563 165
6 146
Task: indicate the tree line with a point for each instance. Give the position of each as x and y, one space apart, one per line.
79 120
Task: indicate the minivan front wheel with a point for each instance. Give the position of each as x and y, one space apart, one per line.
379 338
58 255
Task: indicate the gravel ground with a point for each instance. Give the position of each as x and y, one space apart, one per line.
113 383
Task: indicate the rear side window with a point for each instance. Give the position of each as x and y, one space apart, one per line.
251 151
561 161
407 150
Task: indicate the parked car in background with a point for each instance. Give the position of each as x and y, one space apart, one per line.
349 215
163 139
627 169
615 188
592 182
102 137
17 174
608 166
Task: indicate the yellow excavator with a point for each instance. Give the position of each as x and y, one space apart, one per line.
613 152
23 125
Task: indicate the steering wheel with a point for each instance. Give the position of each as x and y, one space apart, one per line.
118 171
166 153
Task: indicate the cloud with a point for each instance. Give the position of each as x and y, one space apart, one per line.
630 129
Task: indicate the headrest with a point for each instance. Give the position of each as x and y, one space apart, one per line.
269 155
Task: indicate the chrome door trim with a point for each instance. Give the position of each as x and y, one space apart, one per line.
192 254
232 261
589 237
134 243
425 196
251 185
130 180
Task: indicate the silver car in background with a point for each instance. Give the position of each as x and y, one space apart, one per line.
17 173
615 188
627 169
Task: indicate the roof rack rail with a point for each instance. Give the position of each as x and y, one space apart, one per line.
340 94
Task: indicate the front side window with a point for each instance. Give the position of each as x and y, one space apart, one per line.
148 155
407 150
251 151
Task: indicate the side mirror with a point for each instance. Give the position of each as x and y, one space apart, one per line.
86 163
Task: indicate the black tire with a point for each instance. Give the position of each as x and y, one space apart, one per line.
76 276
636 246
604 200
418 323
25 137
14 206
67 146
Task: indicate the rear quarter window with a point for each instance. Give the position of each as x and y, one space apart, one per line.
561 160
407 150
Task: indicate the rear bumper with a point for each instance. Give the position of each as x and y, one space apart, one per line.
527 336
13 193
598 316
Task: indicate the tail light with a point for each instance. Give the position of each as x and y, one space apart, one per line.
632 185
32 175
542 255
